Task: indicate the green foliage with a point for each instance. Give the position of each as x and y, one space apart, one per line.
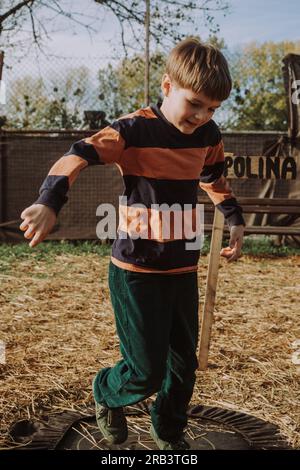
254 245
258 99
11 253
32 106
257 102
122 87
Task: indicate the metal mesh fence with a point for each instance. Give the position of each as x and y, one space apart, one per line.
68 93
51 93
26 160
57 92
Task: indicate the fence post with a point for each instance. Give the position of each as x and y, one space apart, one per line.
1 63
2 157
147 54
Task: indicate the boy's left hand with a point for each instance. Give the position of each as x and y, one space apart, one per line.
233 251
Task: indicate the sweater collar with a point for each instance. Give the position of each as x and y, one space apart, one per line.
173 129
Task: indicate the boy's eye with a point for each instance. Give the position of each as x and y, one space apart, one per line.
196 104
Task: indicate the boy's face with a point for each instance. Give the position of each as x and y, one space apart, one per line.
185 109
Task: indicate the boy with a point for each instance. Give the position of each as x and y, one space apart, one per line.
162 153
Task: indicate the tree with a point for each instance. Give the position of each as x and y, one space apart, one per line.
61 97
166 17
258 99
122 87
55 104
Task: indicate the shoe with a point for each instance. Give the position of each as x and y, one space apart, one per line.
112 423
181 444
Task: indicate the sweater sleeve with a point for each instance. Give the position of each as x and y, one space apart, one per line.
104 147
214 183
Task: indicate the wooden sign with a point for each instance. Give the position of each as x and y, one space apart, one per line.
260 167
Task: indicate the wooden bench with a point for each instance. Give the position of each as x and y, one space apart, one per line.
263 167
271 169
260 206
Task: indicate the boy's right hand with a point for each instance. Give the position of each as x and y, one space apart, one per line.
38 222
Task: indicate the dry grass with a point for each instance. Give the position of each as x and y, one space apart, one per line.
58 325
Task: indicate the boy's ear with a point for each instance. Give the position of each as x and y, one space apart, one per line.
166 84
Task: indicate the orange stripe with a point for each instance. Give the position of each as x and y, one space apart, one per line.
215 154
69 166
139 269
218 191
108 143
134 221
159 225
143 112
163 163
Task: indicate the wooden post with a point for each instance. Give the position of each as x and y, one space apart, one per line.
1 63
147 54
2 85
2 158
211 287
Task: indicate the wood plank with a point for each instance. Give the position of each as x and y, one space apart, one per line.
265 230
261 209
259 201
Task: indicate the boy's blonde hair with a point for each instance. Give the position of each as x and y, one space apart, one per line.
199 67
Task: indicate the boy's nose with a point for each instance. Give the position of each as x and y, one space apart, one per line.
199 120
201 116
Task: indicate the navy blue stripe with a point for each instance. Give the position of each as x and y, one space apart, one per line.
152 254
208 131
210 173
53 192
86 151
142 132
232 211
147 191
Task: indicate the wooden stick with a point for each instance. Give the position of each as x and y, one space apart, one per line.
211 287
10 222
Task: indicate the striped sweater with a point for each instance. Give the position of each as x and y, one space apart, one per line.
161 168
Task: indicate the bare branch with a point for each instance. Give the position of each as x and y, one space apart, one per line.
167 16
15 9
68 15
130 13
35 37
123 39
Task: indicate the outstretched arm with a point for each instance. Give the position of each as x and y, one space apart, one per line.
214 183
106 146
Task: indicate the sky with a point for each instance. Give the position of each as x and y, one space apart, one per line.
261 20
71 45
246 21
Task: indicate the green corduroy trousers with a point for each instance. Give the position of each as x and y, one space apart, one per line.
156 319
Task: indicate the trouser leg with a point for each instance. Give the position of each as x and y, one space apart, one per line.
168 413
143 305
